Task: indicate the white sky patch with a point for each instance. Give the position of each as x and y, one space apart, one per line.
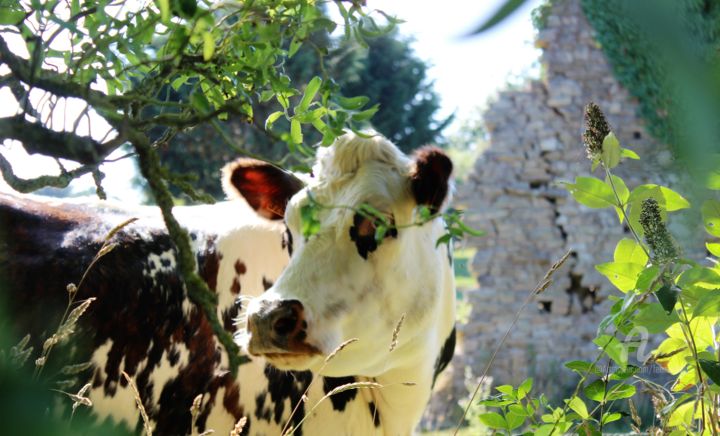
467 70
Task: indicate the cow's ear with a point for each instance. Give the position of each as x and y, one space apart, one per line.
264 186
430 177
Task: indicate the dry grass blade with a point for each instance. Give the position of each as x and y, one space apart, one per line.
289 429
138 401
339 349
73 317
195 411
239 426
20 353
119 227
337 390
80 398
75 369
543 284
396 333
348 386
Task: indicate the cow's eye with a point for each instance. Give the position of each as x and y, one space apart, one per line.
368 232
287 240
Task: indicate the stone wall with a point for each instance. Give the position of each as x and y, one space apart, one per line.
515 195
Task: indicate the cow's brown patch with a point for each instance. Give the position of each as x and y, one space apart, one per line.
235 287
429 178
240 267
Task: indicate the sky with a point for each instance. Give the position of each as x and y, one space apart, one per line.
467 71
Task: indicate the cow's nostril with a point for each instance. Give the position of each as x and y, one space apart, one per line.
285 325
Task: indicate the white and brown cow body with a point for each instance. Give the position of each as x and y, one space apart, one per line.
339 284
141 321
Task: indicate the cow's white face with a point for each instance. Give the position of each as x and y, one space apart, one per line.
340 284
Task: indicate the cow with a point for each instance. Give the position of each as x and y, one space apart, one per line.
345 333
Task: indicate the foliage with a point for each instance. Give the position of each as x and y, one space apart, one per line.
115 59
386 70
661 293
666 54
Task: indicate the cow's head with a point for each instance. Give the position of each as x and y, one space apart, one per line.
341 283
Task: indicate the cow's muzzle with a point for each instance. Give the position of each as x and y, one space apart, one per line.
278 328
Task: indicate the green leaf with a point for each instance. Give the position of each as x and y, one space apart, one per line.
713 248
592 192
208 46
622 374
525 388
310 91
583 368
595 391
500 14
10 16
366 114
578 406
708 305
713 180
666 197
620 391
296 131
164 6
609 417
627 153
310 224
610 151
628 250
647 278
654 318
667 296
514 420
493 420
272 118
199 101
711 216
507 390
615 349
352 103
711 368
623 275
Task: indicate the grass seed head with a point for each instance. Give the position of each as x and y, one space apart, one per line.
597 128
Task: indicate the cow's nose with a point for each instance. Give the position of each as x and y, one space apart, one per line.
285 319
278 324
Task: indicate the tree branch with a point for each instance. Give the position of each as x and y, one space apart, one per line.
197 289
30 185
39 139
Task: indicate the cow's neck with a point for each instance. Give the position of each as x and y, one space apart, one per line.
402 399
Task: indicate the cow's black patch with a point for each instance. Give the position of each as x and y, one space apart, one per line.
284 385
262 412
339 400
374 413
287 241
446 354
267 283
362 233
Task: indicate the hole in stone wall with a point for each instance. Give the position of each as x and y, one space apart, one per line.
637 135
545 306
587 297
537 184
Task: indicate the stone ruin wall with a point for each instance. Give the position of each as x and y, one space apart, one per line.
514 195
